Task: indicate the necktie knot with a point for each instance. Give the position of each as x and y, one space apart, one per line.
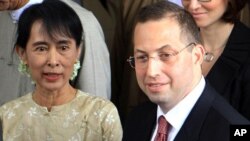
162 131
162 123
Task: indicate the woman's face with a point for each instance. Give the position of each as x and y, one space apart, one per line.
206 13
50 62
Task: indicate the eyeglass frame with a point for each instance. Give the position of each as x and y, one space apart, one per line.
131 59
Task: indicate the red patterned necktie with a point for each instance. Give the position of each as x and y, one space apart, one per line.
162 131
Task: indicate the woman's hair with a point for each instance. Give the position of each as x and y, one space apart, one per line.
56 17
233 10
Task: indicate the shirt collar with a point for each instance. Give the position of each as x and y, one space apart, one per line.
178 114
15 14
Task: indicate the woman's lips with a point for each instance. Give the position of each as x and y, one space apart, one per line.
51 76
197 15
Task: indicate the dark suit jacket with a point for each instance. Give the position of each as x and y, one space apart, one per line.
230 75
209 120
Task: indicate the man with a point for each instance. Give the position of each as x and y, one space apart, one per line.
94 74
168 54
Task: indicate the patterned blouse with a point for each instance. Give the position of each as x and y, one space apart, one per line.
85 118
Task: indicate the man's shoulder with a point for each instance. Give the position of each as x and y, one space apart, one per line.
216 107
16 104
227 112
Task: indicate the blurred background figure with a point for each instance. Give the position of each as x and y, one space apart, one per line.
245 14
106 13
178 2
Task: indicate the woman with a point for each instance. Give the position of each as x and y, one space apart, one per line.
49 36
227 61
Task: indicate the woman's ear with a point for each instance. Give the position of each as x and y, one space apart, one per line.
21 53
79 49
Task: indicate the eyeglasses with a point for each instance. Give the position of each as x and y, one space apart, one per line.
141 62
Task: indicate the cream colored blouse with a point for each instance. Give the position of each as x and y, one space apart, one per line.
85 118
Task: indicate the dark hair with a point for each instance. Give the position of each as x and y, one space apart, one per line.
57 18
233 10
164 9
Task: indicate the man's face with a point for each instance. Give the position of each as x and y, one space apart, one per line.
165 81
11 4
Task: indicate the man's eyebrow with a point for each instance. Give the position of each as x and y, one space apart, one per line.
159 49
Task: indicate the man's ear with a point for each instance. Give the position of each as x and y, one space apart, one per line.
21 53
199 52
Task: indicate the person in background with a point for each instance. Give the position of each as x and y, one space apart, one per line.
168 54
94 75
48 44
226 40
176 2
245 14
106 12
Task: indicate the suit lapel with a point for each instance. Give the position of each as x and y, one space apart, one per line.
192 126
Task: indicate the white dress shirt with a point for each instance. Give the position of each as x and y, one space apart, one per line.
178 114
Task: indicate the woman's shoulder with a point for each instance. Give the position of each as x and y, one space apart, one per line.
16 104
92 101
241 30
17 101
95 108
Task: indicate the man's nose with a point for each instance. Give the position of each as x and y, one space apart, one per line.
153 67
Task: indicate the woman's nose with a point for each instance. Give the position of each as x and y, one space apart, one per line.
53 58
192 5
